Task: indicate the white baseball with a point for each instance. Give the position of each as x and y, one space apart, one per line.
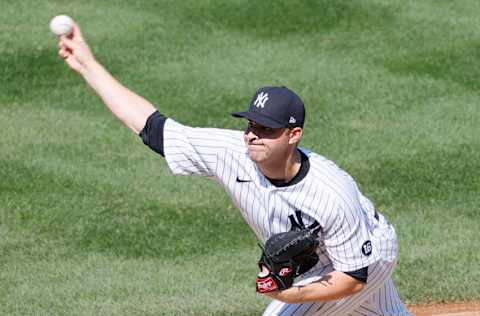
61 25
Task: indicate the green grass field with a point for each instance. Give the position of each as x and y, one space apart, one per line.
93 223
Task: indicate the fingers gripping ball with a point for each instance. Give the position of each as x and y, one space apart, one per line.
284 257
61 25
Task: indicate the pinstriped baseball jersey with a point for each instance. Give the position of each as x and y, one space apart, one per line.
353 235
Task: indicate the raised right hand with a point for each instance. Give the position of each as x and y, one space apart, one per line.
75 51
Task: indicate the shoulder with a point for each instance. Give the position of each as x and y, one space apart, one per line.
216 137
173 125
328 177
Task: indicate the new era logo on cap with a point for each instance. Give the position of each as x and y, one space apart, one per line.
275 107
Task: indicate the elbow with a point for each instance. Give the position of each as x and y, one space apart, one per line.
358 287
352 289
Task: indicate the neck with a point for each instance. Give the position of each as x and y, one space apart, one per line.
282 169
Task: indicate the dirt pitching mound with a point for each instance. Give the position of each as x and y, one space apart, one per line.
453 309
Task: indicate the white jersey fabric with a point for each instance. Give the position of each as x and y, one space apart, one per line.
353 234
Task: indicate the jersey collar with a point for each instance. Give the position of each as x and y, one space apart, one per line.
302 173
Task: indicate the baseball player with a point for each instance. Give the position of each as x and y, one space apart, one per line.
276 185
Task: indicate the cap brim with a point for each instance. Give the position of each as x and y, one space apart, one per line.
259 118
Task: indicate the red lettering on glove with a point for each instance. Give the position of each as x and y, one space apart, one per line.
265 285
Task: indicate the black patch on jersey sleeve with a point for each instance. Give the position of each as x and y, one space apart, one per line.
360 275
152 133
367 248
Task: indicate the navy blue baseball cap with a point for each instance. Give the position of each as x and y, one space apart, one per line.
275 107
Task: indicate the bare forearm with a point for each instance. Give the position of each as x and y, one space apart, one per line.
332 286
325 291
130 108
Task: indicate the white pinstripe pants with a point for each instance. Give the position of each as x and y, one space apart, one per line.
379 297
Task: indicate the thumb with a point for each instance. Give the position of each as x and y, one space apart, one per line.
264 272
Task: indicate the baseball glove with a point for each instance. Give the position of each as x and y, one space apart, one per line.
284 257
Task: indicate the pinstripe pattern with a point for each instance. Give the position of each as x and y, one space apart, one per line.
327 195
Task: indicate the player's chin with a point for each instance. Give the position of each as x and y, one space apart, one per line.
257 156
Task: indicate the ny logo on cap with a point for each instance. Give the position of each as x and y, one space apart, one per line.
262 97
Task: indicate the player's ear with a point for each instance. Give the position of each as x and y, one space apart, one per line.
295 135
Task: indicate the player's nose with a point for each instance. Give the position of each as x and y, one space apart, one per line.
250 135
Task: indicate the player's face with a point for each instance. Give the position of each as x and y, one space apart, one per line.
264 143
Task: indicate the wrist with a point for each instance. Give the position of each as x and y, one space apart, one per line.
293 295
90 67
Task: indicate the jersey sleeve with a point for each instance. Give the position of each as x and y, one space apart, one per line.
347 237
152 132
197 151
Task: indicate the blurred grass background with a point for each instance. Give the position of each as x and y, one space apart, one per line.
93 223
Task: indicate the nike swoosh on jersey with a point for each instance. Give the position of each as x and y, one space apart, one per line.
243 180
